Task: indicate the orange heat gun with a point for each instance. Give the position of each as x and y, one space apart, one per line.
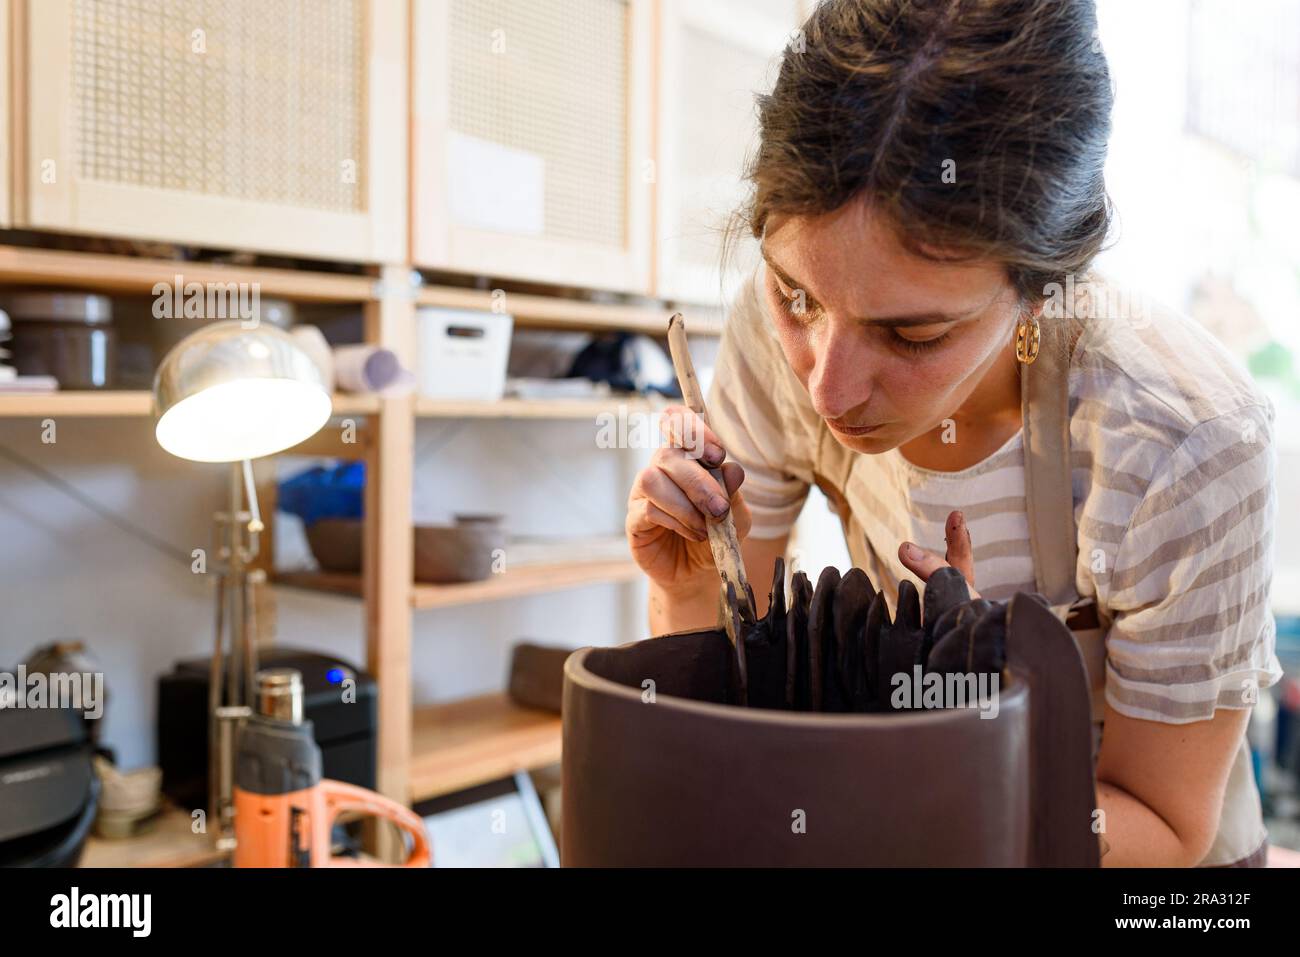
284 809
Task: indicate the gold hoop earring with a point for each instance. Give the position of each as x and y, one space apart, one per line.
1028 336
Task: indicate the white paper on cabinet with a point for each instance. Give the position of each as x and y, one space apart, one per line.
495 187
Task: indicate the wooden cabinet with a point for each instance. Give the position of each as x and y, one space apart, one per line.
714 58
532 132
269 125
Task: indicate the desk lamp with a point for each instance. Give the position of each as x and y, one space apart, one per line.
232 393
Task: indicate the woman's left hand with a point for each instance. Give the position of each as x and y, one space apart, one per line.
922 562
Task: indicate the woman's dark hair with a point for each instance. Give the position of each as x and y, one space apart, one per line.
976 126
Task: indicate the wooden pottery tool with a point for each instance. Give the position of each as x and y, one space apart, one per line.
722 532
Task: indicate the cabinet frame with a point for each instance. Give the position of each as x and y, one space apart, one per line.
69 204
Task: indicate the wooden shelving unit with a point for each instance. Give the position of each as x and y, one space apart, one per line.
137 275
427 751
475 740
375 251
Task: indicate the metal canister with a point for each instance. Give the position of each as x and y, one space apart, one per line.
279 694
67 335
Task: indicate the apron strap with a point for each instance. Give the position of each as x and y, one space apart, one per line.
1049 497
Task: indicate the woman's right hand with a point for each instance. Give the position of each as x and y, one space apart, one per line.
674 498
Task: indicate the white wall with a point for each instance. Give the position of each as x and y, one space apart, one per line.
1189 209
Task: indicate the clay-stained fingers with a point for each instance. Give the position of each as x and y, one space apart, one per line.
959 551
699 487
733 475
684 429
645 518
657 484
923 562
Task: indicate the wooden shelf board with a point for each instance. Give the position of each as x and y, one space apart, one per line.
169 843
338 583
512 583
21 265
80 404
127 403
345 403
137 275
469 742
522 580
534 408
553 312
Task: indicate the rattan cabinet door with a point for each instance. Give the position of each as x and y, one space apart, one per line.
714 58
532 127
271 125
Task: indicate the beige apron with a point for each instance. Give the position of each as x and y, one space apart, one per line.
1049 506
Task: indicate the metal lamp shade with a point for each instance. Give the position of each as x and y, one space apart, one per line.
228 393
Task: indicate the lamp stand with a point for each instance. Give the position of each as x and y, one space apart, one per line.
237 533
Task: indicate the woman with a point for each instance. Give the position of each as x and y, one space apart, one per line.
928 197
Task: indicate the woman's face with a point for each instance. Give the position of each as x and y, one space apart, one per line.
888 344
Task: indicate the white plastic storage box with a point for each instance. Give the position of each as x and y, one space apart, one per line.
463 353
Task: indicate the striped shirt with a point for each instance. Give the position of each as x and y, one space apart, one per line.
1174 498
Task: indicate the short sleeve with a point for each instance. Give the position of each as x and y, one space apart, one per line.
750 409
1192 629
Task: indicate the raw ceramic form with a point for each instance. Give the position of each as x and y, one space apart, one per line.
660 770
336 543
458 553
442 553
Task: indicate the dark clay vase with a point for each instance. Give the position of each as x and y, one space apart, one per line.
689 780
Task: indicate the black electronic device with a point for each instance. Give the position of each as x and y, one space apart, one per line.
340 701
48 789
